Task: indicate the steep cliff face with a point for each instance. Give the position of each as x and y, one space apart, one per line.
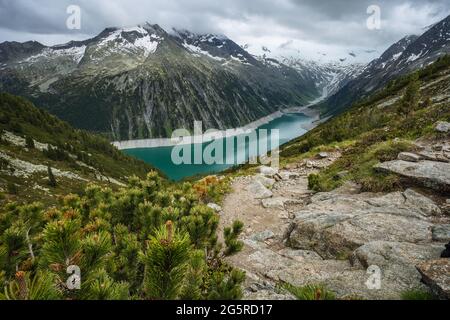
144 82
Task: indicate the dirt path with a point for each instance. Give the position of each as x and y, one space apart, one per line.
266 220
363 229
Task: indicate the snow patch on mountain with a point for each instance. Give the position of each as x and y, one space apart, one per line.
396 56
74 53
197 51
328 77
208 37
240 58
149 44
413 57
116 42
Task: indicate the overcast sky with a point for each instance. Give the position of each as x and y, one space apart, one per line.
309 29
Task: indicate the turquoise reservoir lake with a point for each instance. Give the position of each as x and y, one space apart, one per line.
290 126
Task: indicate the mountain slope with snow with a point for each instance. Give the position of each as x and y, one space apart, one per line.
329 77
408 54
144 82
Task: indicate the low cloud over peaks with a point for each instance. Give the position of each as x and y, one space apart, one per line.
335 27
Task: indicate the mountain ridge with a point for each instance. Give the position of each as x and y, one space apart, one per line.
408 54
139 82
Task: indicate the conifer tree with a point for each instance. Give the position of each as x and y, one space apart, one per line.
41 286
195 276
410 100
226 285
104 234
51 178
125 264
13 250
231 235
166 261
29 142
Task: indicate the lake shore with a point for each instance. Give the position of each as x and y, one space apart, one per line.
207 137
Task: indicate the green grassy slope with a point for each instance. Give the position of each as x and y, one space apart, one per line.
377 129
88 156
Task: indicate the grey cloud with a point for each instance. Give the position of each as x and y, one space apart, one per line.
338 23
286 44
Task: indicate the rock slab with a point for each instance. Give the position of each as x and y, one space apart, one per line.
259 191
436 274
408 156
441 233
335 225
432 174
442 126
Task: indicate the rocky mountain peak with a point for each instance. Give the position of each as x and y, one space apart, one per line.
11 50
216 46
204 37
136 81
408 54
427 47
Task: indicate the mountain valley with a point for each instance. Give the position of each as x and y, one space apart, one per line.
361 191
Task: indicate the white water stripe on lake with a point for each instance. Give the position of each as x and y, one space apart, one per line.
208 137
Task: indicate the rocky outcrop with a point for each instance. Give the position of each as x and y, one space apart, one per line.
257 289
323 155
259 191
408 156
436 274
334 225
426 206
441 233
266 182
393 232
280 203
431 174
215 207
267 171
442 126
337 239
434 151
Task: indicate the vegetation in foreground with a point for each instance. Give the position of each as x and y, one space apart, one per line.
150 240
310 292
417 295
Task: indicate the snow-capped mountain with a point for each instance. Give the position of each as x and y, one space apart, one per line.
408 54
329 77
217 47
387 62
427 48
142 81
